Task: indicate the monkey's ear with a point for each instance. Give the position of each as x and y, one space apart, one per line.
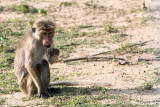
33 29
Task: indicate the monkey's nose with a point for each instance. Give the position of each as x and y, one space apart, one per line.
47 46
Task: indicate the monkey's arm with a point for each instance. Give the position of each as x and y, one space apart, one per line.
52 55
31 68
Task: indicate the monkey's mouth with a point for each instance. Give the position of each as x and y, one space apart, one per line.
47 46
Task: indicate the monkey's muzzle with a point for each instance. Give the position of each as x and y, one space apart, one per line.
47 46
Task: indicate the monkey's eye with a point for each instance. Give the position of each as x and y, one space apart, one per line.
49 33
33 30
44 33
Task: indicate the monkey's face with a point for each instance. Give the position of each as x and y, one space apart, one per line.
46 37
43 30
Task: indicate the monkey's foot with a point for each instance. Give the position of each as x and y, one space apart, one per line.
54 90
44 96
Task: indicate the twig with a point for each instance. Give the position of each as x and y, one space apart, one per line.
148 59
102 53
91 58
71 44
109 58
144 5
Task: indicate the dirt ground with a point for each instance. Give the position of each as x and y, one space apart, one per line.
123 79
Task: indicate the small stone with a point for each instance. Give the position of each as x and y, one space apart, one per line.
122 62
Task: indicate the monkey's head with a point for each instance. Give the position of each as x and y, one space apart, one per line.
43 30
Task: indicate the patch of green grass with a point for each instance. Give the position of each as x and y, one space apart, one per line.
59 30
129 47
134 10
57 100
121 12
71 96
157 80
89 34
74 32
27 99
143 62
119 37
121 104
2 101
123 73
85 91
11 8
90 43
72 63
66 4
84 26
8 83
82 97
88 4
82 34
61 39
146 86
133 48
146 50
64 37
91 4
144 20
42 12
33 10
7 60
102 94
109 28
59 77
10 32
82 101
23 8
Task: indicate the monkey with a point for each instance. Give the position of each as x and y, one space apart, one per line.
31 70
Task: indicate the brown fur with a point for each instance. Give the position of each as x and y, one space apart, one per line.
32 71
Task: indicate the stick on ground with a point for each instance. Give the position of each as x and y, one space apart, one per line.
148 59
92 58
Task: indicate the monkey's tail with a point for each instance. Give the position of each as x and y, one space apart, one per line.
76 83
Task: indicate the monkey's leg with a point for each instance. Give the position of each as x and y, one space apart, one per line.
32 89
44 72
23 86
45 76
27 86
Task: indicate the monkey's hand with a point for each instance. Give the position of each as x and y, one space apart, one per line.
44 95
52 55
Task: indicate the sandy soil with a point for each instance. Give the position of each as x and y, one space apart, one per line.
122 78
